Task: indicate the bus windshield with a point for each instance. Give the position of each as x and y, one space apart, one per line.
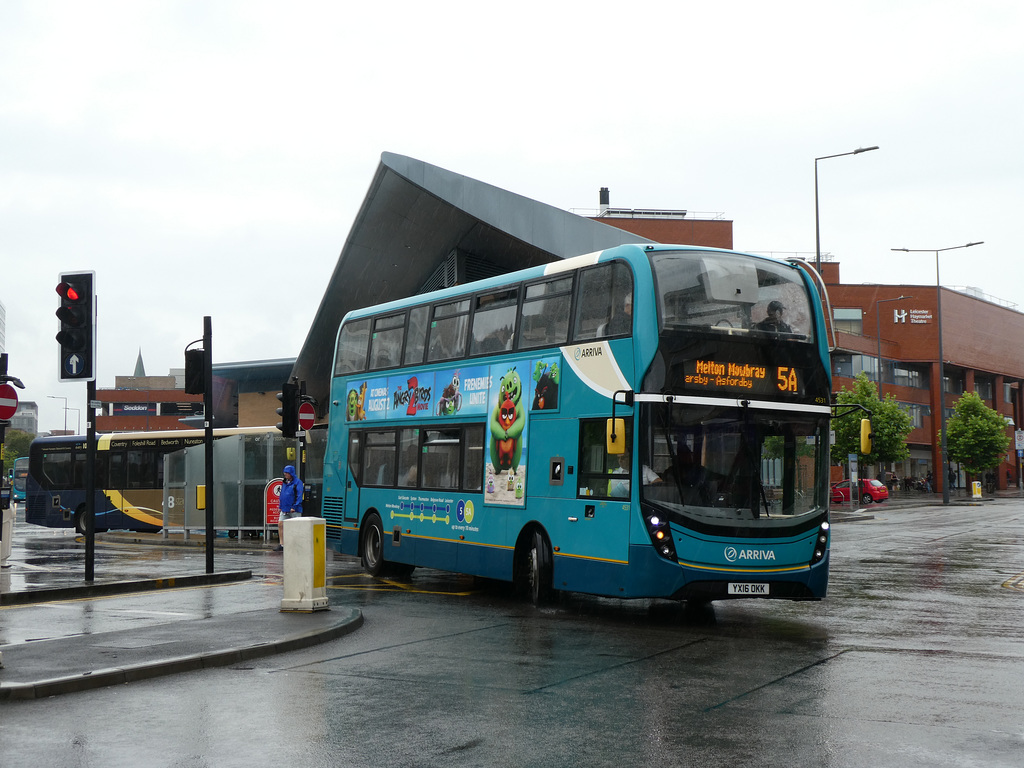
730 293
20 473
722 465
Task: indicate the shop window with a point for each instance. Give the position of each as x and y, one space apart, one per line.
849 320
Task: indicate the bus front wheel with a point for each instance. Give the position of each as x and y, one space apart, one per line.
373 545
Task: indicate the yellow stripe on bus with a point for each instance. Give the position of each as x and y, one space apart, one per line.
744 570
588 557
142 515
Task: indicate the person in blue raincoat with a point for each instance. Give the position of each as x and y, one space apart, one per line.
291 502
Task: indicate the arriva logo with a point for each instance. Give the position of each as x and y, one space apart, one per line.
582 352
732 554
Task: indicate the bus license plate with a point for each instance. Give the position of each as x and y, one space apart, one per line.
747 589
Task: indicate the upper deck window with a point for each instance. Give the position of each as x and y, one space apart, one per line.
386 344
353 342
605 305
545 318
416 343
730 293
494 321
448 331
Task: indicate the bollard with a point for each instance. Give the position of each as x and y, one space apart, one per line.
7 520
976 489
305 565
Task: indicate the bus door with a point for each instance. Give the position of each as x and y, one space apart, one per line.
349 473
590 527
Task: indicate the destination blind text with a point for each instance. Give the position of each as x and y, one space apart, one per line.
708 373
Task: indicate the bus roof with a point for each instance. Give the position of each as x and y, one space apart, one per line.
103 440
628 252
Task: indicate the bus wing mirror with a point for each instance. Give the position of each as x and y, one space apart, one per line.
615 436
865 436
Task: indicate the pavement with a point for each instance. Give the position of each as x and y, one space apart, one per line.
846 513
55 656
60 634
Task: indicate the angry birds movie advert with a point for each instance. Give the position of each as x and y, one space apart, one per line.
506 438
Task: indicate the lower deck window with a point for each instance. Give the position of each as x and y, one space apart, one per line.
442 458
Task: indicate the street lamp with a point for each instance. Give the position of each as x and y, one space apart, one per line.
58 397
78 414
817 227
878 333
942 376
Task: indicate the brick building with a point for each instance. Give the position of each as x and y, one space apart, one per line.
667 226
873 323
146 404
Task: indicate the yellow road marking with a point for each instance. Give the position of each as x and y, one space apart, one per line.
1017 582
387 585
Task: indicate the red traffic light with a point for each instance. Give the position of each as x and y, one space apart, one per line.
77 320
69 292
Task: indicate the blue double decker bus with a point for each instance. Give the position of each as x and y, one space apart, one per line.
18 476
646 421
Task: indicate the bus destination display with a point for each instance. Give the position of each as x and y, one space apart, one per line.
716 376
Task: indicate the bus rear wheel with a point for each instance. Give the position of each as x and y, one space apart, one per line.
535 571
373 545
80 520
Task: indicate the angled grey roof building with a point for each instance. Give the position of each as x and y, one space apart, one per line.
421 228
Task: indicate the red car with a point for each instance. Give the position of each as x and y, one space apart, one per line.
870 490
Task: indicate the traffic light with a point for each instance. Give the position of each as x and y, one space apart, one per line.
865 436
289 410
195 371
77 333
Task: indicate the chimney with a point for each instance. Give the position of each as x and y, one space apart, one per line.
604 199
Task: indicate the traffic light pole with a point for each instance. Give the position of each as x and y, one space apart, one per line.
208 452
302 435
3 436
77 362
90 482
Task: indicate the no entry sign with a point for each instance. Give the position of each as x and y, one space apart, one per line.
9 401
307 416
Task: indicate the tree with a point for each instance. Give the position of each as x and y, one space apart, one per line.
890 425
976 435
16 444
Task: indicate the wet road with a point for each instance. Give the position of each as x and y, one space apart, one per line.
915 659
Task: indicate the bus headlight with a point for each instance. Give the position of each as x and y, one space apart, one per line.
820 544
661 537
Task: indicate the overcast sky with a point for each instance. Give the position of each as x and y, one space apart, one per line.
208 158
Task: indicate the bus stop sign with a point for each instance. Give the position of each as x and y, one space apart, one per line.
9 401
307 416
